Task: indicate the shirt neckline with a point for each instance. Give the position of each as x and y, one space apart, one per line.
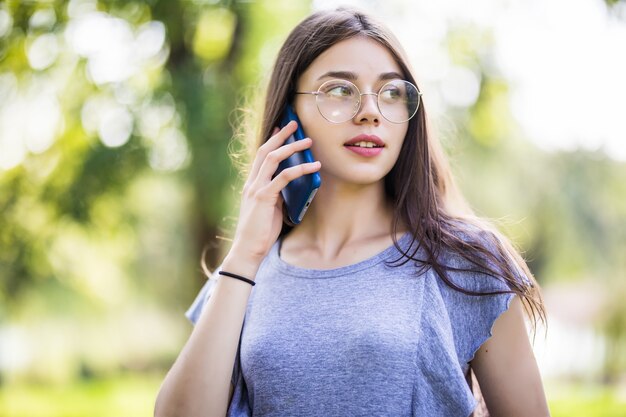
297 271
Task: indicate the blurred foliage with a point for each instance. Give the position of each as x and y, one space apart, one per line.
108 218
613 2
120 396
116 175
586 400
566 211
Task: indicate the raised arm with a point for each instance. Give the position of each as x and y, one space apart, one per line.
198 383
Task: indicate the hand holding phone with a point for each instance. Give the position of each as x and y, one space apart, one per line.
261 210
299 193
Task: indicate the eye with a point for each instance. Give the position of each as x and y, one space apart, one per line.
391 93
338 90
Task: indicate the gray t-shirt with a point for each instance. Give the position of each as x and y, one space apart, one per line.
368 339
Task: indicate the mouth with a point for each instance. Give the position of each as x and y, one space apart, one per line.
365 141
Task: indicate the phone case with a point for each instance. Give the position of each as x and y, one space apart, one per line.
299 193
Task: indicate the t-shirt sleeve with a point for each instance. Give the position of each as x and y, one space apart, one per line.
473 316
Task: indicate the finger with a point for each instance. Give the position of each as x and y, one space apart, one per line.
290 174
274 158
258 159
278 138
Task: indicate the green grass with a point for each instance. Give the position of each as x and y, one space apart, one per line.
134 395
131 396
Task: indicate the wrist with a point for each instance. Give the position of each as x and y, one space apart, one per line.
239 263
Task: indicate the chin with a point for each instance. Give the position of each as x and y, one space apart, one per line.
363 178
357 175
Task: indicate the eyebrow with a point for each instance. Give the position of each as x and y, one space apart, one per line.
351 76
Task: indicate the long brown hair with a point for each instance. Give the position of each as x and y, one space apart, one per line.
424 195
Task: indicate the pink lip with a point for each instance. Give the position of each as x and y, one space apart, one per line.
365 151
367 138
368 152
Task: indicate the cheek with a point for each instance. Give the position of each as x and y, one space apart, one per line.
401 132
400 135
306 109
322 141
313 124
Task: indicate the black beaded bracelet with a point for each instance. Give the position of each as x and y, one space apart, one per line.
239 277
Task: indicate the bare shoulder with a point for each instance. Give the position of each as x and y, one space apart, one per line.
506 368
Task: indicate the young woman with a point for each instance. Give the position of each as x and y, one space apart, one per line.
389 294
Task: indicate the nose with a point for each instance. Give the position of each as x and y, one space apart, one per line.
368 111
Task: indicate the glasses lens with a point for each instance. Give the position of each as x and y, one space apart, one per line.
338 100
398 101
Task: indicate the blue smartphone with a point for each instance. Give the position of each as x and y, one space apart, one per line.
299 192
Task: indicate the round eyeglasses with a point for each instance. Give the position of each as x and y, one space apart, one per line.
340 100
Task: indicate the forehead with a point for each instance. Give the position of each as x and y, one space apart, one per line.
361 55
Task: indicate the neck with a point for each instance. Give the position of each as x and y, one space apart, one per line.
344 213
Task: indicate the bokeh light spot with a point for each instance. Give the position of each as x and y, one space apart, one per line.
115 127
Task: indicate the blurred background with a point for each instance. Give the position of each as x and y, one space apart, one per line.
115 126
